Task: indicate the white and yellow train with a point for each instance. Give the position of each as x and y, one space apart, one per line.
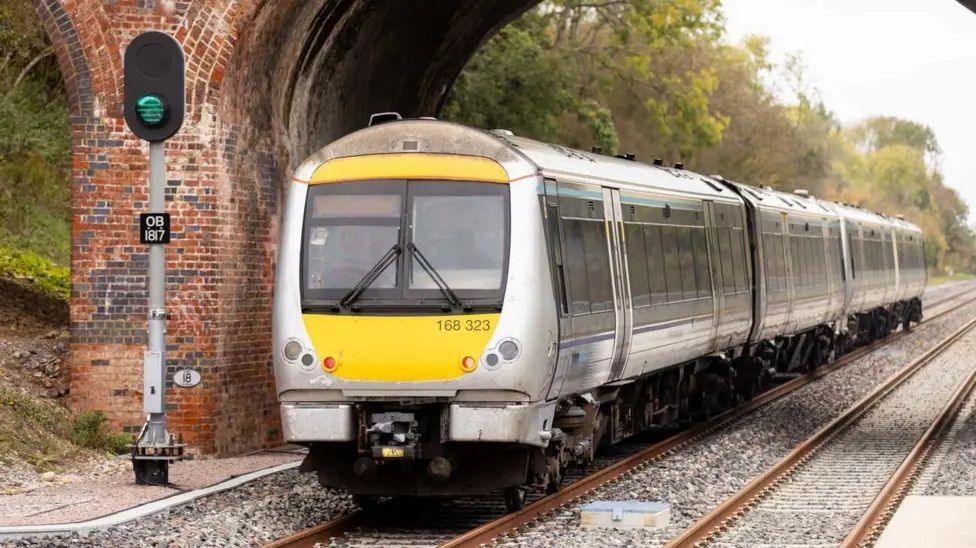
460 311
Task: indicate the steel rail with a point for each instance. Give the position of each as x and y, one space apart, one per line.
493 529
717 521
882 509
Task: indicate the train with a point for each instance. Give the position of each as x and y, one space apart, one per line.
464 312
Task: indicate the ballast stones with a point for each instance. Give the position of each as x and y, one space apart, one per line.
626 514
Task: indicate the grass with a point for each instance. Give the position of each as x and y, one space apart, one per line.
45 435
35 431
90 429
42 274
939 279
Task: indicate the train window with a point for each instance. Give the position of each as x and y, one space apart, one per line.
655 264
672 263
597 266
770 260
575 258
462 236
796 254
703 278
637 265
739 256
728 263
556 257
686 252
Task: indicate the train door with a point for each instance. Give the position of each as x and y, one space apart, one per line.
792 289
715 260
623 307
554 241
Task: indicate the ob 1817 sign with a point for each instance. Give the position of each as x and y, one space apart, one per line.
154 228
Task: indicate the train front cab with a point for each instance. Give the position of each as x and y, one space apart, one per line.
398 361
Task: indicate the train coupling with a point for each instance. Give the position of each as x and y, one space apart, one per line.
394 436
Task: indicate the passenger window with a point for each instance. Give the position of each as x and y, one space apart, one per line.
728 263
579 292
703 278
597 266
655 264
687 253
739 257
637 265
672 265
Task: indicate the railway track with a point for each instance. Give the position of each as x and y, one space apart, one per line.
477 521
854 466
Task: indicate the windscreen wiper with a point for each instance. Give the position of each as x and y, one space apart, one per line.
385 261
446 290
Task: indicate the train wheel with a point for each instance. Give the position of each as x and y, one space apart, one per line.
515 498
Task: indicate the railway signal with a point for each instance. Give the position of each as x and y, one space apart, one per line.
154 79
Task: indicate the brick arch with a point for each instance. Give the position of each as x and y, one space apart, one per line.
68 47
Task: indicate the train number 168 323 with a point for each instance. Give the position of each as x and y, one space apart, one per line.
463 325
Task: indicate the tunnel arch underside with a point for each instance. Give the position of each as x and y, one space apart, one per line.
306 73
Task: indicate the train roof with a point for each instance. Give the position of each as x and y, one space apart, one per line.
798 204
569 163
523 157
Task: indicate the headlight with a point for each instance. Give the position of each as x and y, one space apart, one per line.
509 350
293 349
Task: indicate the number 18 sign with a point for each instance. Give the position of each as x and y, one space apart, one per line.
154 228
186 378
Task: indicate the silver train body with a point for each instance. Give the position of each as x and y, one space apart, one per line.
618 296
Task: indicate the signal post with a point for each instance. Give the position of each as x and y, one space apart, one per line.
154 79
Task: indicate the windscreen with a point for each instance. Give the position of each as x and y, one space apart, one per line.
405 240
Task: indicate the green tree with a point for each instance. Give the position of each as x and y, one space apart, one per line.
34 138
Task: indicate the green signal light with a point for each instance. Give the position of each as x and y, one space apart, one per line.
152 110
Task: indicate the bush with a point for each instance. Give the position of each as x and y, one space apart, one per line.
43 274
90 429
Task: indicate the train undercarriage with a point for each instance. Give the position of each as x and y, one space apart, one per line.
400 452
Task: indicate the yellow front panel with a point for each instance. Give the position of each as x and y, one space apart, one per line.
410 166
399 348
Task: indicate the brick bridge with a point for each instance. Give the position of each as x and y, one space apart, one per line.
267 82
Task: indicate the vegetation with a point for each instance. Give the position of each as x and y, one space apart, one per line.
43 434
90 429
41 273
34 430
34 139
660 79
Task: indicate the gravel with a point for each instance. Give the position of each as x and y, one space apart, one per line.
951 471
822 500
699 477
252 514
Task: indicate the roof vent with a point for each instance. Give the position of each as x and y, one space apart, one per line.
658 162
383 117
679 165
596 150
505 132
802 192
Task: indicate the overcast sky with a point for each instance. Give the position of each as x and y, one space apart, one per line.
914 59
